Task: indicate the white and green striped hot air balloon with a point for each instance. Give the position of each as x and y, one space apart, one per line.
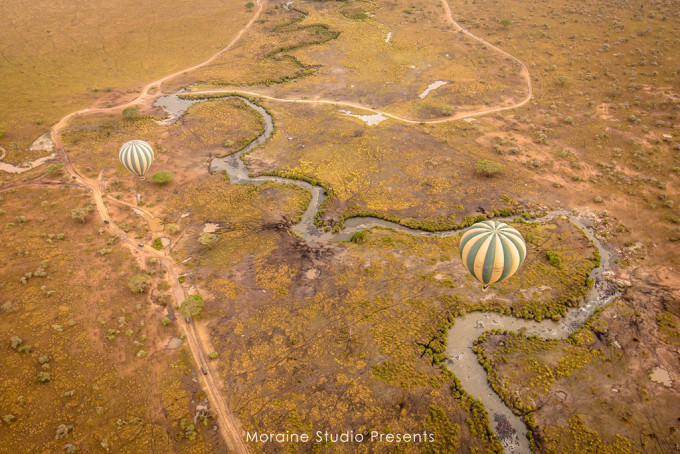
136 156
492 251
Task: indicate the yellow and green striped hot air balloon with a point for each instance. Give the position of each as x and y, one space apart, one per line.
136 156
492 251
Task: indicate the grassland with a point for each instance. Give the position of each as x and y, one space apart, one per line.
350 336
623 410
98 378
392 169
359 64
184 148
602 129
342 336
62 56
601 132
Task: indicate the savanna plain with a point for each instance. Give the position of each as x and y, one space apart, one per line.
290 262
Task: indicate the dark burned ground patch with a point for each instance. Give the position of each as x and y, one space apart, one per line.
392 169
253 220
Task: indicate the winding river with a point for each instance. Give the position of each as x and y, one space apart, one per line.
461 360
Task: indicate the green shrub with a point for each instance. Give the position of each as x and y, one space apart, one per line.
131 112
553 259
138 283
16 341
191 306
207 239
162 177
54 169
489 168
81 213
358 237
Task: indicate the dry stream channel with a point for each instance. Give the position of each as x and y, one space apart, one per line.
461 360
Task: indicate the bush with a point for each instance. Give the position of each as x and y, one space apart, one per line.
81 213
553 258
157 244
54 169
165 321
44 377
191 306
162 177
138 283
358 237
131 112
250 5
212 355
489 168
16 341
207 239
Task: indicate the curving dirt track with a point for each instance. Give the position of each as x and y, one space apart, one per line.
227 422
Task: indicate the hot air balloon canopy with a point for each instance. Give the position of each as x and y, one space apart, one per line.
492 251
136 156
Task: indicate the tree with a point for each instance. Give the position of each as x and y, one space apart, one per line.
358 237
16 341
138 283
207 239
54 169
250 5
191 306
489 168
81 213
131 112
162 177
157 244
